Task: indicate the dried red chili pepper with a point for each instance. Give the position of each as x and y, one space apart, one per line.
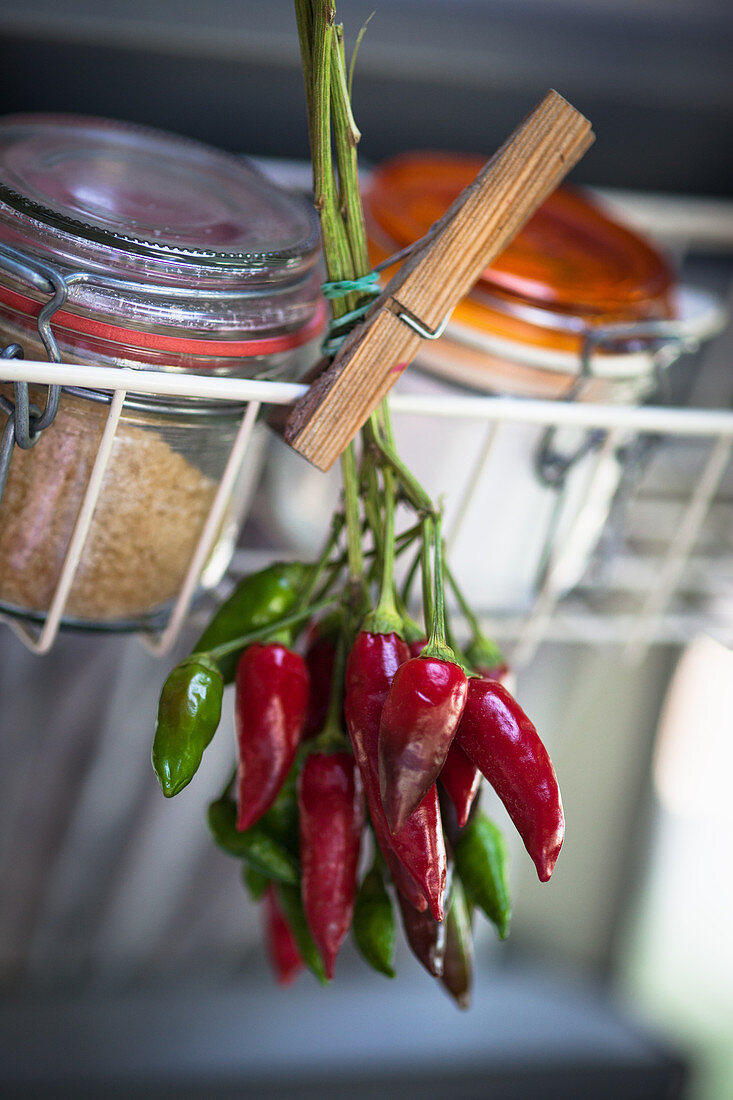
419 720
424 704
331 805
453 831
499 738
426 937
281 946
271 699
320 657
461 779
419 846
457 976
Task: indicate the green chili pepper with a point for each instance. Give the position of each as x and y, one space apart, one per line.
281 820
481 861
258 600
257 847
292 906
374 925
255 882
457 976
188 715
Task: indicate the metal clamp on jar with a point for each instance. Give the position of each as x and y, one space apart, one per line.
127 247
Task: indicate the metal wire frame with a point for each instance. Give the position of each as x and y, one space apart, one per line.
613 420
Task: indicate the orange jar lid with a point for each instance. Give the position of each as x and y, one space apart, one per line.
571 267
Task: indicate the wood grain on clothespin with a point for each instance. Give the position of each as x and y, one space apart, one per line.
437 274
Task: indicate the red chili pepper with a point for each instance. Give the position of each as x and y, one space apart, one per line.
419 846
281 947
419 720
271 699
495 672
460 776
401 877
457 976
499 738
461 779
320 656
426 937
331 809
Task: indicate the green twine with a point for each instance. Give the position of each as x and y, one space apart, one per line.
366 284
340 327
339 288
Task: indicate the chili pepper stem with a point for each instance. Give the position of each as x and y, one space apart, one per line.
372 509
385 618
346 138
493 654
426 570
332 738
410 577
316 37
411 487
437 645
295 619
321 564
351 508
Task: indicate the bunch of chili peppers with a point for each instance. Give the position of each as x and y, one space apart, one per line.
362 734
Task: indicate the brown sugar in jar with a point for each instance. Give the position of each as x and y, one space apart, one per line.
153 504
176 257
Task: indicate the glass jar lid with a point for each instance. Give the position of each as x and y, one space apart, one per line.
158 235
149 194
570 259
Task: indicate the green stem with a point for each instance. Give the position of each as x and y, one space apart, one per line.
407 537
408 582
411 487
294 619
332 737
371 498
386 597
466 610
308 590
354 53
426 570
332 573
346 139
482 652
437 645
385 618
316 31
384 417
353 519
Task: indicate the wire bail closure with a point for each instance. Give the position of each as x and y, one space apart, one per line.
664 338
26 421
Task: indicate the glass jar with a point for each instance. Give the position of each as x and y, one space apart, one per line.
577 307
158 253
571 272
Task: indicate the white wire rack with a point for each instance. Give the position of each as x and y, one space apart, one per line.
650 616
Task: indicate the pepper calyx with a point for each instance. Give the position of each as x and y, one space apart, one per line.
384 621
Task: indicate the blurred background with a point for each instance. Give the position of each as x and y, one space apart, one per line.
130 956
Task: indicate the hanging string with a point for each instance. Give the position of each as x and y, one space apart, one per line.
340 327
341 287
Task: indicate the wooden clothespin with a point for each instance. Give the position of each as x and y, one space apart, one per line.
418 300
